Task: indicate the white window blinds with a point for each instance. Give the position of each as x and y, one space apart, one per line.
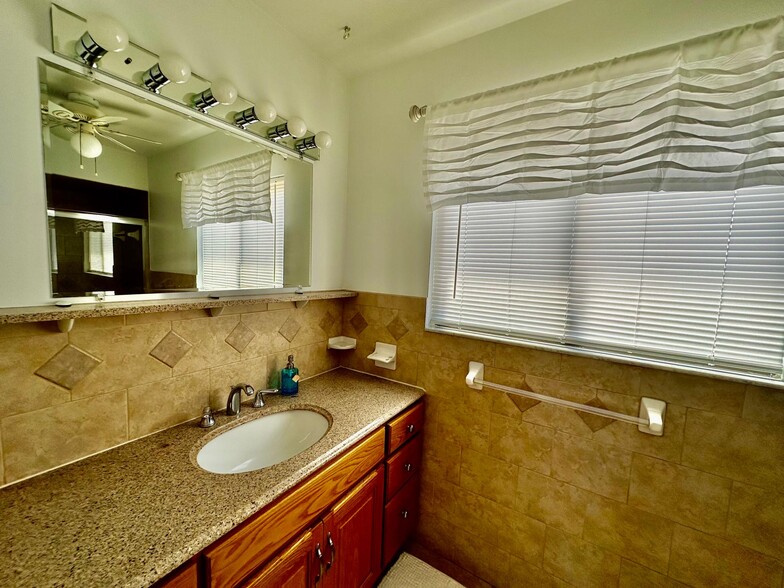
228 192
700 115
694 278
244 254
98 247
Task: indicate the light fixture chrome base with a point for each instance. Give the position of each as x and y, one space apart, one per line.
279 132
416 113
88 50
306 143
205 100
154 79
246 118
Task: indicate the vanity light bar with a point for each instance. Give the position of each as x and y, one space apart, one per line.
154 78
246 118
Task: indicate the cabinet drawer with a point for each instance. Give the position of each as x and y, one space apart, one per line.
404 427
404 465
400 518
186 576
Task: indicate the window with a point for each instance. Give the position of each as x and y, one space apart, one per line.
258 263
98 249
692 278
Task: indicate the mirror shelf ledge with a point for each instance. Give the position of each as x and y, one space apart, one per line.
65 316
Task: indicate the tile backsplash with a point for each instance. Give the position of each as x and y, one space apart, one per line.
514 492
519 493
115 379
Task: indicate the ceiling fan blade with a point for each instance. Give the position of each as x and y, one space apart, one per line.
61 112
107 120
118 133
113 140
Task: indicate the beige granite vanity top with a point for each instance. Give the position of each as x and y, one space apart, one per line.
128 516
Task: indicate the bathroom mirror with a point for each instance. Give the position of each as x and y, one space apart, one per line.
113 162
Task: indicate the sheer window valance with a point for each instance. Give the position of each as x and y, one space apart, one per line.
231 191
706 114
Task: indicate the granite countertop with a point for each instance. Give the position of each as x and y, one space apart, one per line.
130 515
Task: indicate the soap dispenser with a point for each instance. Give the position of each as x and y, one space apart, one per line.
289 378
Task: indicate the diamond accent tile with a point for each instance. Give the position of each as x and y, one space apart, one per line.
68 367
359 323
523 403
171 349
397 328
327 321
594 422
290 329
240 337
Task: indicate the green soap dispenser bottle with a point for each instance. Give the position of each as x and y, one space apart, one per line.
289 379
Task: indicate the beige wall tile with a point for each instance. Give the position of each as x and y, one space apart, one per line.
408 303
704 560
245 308
528 361
208 337
523 573
2 467
105 322
441 459
311 360
266 325
598 373
578 562
693 391
508 405
591 466
469 511
481 559
756 519
521 443
160 405
461 348
28 329
40 440
765 405
679 493
223 378
521 536
458 425
441 376
20 389
735 448
636 576
669 446
488 477
634 534
555 503
125 358
435 534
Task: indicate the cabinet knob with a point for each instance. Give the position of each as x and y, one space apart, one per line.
410 428
407 467
404 514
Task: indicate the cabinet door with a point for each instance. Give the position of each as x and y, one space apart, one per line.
298 566
352 535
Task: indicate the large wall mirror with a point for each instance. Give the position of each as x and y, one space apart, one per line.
114 164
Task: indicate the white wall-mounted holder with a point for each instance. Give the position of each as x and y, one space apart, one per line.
650 421
341 343
385 356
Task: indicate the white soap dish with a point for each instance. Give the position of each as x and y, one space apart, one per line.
385 356
341 343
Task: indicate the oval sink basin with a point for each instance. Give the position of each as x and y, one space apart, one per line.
262 442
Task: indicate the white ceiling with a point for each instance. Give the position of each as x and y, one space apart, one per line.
385 31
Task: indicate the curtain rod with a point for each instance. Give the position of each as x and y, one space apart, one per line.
651 419
417 112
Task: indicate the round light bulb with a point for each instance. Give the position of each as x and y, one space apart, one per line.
224 92
86 144
107 33
323 140
296 127
265 112
175 68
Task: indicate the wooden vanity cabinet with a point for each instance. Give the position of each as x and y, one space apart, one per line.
339 528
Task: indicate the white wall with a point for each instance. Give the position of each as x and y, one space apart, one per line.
231 38
388 239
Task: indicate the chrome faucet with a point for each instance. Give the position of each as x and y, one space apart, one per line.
234 403
258 402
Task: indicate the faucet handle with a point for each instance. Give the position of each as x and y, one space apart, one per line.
207 420
249 391
258 402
